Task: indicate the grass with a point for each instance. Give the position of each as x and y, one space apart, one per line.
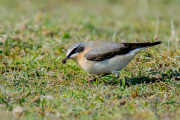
34 37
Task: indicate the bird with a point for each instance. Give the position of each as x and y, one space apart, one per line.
105 57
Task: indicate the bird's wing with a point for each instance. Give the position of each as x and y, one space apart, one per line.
113 49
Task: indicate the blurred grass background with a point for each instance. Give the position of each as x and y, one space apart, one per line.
35 34
100 19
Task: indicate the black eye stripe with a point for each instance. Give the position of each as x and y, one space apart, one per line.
73 51
78 49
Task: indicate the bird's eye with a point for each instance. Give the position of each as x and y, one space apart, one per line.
75 49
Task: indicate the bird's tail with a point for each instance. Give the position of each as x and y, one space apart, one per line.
137 47
133 46
148 44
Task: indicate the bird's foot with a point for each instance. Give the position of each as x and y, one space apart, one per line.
117 75
92 80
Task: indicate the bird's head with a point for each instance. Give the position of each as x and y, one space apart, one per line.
74 51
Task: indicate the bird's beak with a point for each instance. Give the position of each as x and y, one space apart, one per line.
64 60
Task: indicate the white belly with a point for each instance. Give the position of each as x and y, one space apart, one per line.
116 63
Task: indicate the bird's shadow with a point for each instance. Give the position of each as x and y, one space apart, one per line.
134 81
154 77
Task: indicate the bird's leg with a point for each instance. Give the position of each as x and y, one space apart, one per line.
117 75
94 79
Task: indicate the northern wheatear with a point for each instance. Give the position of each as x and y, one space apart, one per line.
104 57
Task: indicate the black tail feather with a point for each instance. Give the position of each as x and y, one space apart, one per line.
149 44
132 46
